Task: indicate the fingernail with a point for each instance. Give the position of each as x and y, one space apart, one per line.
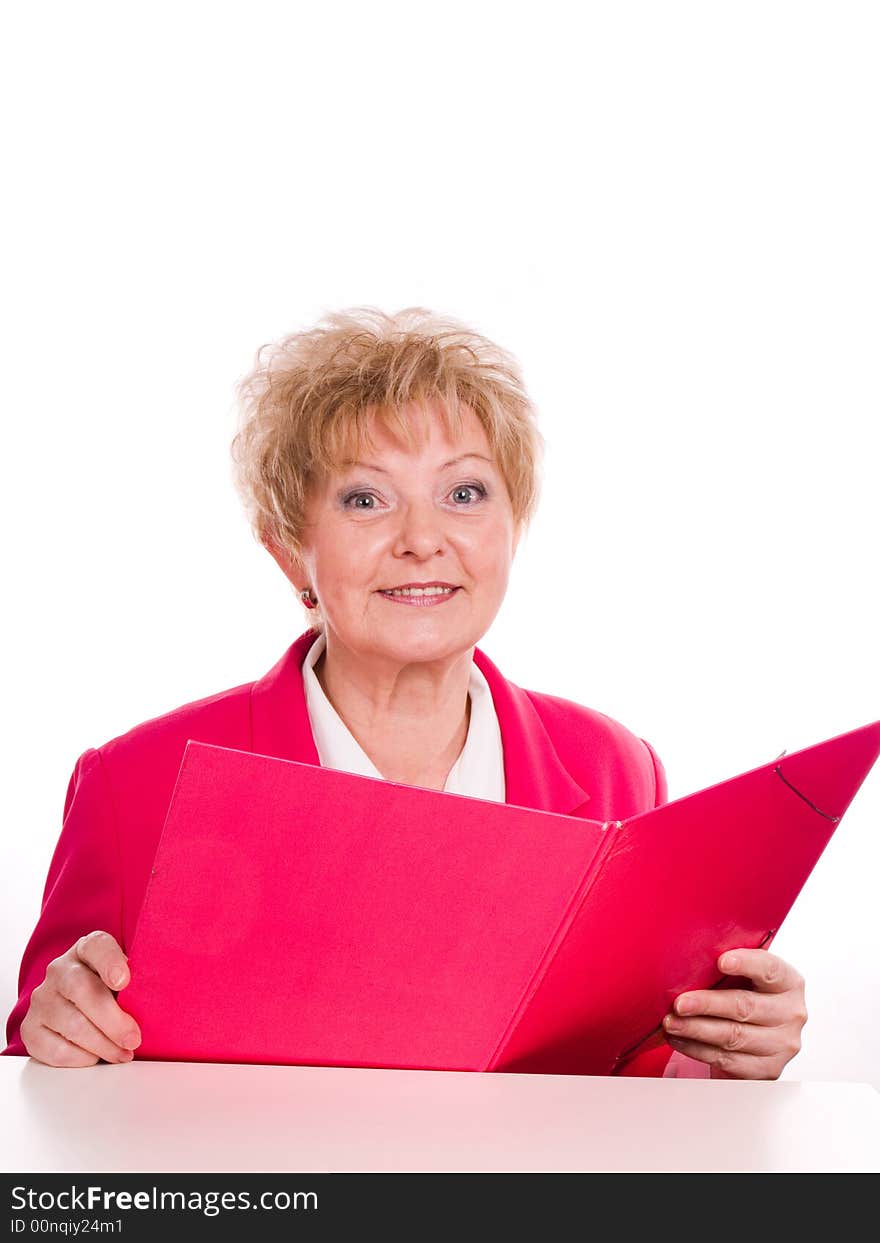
729 962
125 1055
117 977
131 1040
685 1006
672 1025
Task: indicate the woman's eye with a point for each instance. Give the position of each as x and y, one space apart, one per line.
361 496
465 488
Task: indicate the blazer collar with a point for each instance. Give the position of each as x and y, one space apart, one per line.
534 774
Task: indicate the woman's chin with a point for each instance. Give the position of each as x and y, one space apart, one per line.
427 641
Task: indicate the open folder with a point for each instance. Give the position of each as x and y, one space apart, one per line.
302 915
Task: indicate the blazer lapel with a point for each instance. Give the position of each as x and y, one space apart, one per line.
534 774
279 717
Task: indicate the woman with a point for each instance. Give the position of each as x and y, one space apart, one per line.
389 464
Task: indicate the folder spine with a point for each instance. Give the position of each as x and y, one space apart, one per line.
594 870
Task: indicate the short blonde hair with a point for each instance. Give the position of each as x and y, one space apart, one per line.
311 397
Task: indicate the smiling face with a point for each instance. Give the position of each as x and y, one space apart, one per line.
439 514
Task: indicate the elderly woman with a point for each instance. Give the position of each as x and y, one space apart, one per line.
389 464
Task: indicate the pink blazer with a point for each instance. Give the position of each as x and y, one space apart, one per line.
558 756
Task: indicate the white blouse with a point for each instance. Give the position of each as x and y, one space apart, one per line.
477 773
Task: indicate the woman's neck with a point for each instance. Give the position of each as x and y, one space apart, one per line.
411 720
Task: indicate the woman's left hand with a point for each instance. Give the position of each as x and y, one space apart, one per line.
740 1033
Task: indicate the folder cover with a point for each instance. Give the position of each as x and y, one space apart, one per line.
302 915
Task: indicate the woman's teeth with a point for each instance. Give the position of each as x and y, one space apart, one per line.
419 591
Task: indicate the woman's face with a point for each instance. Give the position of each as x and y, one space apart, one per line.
438 515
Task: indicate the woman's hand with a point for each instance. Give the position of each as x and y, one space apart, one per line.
742 1034
73 1018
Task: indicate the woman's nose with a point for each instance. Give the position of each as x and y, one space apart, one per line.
421 530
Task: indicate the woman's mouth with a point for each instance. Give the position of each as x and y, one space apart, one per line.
420 597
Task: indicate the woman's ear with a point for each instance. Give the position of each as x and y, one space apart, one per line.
290 565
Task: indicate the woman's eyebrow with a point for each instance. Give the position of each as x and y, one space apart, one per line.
452 462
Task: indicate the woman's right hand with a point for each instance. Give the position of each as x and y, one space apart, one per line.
73 1018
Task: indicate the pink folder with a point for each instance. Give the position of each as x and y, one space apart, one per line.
301 915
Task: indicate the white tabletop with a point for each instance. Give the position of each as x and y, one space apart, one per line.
178 1116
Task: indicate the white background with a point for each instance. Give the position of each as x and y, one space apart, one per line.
668 213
